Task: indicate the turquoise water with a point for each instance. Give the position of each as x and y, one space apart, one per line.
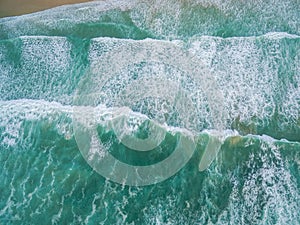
214 85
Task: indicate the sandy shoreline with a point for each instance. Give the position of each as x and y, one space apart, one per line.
19 7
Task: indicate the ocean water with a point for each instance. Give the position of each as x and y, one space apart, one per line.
151 112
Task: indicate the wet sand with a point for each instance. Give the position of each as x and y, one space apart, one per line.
19 7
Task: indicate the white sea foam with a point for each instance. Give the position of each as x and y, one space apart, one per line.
245 70
166 19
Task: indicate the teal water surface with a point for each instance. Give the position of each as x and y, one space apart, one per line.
247 90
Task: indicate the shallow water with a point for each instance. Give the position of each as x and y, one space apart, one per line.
210 89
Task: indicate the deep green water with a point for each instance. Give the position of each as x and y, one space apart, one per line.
200 69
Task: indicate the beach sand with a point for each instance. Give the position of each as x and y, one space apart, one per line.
19 7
